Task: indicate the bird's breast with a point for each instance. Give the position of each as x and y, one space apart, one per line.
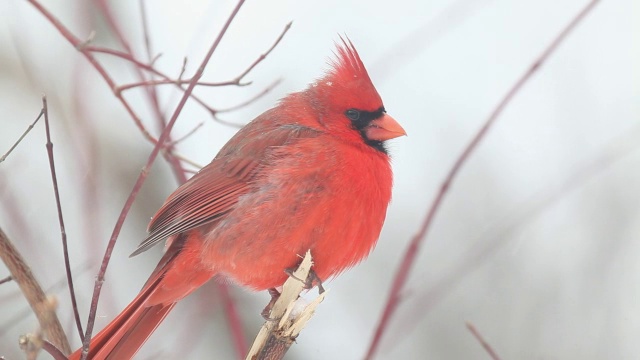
327 198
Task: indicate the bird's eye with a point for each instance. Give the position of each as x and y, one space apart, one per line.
353 114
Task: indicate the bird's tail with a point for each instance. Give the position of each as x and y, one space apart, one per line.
126 334
176 276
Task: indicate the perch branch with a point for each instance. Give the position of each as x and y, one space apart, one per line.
277 335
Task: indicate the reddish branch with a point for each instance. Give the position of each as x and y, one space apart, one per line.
53 351
252 99
235 325
150 91
165 79
63 232
482 342
176 82
402 274
145 31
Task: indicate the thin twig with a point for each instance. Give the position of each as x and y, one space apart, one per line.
151 93
63 231
235 325
237 81
32 291
214 113
225 122
187 160
252 99
412 250
178 82
265 54
142 177
4 157
141 65
122 55
6 279
482 342
53 350
185 136
145 31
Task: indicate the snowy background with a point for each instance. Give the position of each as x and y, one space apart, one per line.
537 243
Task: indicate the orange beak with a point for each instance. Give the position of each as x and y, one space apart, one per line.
384 128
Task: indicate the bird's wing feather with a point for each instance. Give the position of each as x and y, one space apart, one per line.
215 190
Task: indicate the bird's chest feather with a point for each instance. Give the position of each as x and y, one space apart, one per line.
331 199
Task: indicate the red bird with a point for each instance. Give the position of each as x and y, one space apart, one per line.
312 173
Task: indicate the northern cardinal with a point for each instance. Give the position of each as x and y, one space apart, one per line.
312 173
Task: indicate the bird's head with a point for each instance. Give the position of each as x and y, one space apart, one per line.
349 105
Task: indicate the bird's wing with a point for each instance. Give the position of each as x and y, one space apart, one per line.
215 189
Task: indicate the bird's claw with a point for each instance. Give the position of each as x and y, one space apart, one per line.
275 295
311 279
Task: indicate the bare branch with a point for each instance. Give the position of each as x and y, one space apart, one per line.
53 350
63 231
145 32
264 55
233 321
185 136
4 157
254 98
482 342
187 160
412 250
178 82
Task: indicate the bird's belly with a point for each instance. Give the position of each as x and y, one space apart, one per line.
273 235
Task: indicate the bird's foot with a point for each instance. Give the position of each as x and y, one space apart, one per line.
275 295
310 281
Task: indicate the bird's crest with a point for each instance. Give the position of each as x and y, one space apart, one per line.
348 71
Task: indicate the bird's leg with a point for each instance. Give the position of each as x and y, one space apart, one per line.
314 277
308 283
267 309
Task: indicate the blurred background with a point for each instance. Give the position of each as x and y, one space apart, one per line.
536 244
